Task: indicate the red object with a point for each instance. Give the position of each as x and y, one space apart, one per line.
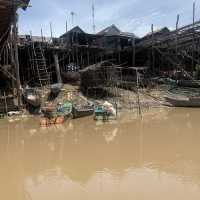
60 120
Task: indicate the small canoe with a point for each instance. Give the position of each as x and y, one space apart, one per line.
101 113
189 83
82 111
32 97
185 102
56 88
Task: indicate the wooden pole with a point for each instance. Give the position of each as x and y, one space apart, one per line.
6 105
16 58
133 45
193 38
119 51
88 56
59 79
138 94
77 56
12 61
153 52
81 66
177 23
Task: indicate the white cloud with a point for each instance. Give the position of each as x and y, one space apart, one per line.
130 15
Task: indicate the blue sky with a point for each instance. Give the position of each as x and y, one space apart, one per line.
129 15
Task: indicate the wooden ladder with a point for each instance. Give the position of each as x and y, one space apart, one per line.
40 65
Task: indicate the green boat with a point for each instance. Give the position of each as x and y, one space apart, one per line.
101 113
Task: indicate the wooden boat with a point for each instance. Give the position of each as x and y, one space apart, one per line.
167 81
189 83
101 113
32 97
64 110
104 113
56 116
82 111
55 88
185 102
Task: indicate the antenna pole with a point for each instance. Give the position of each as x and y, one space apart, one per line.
93 18
72 14
42 35
51 30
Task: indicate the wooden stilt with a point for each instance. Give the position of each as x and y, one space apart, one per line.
59 79
153 52
16 60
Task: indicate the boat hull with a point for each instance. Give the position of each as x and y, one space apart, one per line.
82 112
190 102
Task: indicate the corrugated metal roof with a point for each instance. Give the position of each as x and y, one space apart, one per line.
114 31
111 30
76 29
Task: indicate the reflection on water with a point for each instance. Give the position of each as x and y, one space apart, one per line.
156 158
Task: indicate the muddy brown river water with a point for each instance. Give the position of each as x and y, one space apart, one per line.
150 159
